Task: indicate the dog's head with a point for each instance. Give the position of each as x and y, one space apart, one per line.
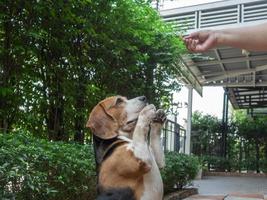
115 116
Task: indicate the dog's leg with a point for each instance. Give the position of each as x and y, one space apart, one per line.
155 133
140 146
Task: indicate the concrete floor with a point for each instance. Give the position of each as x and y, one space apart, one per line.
225 185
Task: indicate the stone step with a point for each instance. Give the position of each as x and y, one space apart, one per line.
205 197
233 196
247 196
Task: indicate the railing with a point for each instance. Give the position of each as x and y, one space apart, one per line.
216 14
173 137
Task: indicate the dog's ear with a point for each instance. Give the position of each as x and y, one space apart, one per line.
102 123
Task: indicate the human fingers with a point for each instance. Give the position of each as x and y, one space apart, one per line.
192 35
188 43
191 44
199 35
204 42
193 41
206 45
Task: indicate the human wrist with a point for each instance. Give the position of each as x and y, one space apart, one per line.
219 36
225 37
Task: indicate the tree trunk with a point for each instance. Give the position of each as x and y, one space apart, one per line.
5 75
240 157
50 123
79 121
246 146
149 72
79 133
56 111
257 148
79 118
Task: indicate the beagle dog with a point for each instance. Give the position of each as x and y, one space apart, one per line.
128 167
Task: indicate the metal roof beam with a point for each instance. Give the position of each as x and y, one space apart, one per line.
225 76
219 58
254 77
227 84
241 90
234 73
231 60
251 100
243 71
253 96
246 53
232 98
253 106
185 75
254 93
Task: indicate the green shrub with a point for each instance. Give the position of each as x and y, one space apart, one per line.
250 164
215 163
263 165
179 171
38 169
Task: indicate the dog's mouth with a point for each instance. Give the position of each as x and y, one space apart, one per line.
132 121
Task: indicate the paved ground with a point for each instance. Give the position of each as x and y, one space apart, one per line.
230 188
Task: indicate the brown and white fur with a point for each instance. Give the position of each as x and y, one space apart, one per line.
133 165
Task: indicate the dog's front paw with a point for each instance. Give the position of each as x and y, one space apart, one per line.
148 113
160 117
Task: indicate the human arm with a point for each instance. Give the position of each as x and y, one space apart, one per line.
250 38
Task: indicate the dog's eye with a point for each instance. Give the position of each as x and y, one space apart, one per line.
119 101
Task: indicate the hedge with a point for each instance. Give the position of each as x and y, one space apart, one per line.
38 169
180 170
216 163
32 168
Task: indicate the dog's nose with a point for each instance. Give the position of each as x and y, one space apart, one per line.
142 98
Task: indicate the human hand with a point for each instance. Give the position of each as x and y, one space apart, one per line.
201 41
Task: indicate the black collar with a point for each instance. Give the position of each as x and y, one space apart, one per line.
104 148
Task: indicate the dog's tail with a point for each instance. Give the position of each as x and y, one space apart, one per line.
117 194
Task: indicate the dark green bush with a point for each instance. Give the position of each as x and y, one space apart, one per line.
263 165
38 169
215 163
179 171
249 164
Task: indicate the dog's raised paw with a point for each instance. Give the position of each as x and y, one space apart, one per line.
160 116
148 112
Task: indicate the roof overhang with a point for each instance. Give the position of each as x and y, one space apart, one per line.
186 76
248 98
229 67
242 73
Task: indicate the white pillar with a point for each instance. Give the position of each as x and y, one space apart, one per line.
189 119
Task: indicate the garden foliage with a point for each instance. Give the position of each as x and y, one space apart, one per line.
37 169
246 143
180 170
59 58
